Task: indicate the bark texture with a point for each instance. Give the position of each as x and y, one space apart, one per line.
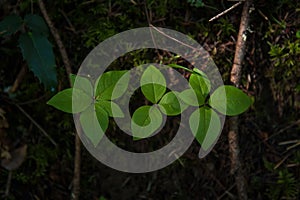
234 150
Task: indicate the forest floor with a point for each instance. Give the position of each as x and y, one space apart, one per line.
269 143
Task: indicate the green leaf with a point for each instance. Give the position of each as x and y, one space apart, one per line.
170 104
10 24
82 83
111 85
110 107
205 125
153 92
180 67
201 84
145 121
38 53
37 24
189 97
94 122
65 99
229 100
153 84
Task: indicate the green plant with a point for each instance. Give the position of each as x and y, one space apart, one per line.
226 27
284 185
95 104
34 45
283 70
284 54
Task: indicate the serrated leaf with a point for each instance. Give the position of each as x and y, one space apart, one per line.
201 84
111 85
153 84
65 99
205 125
10 24
189 97
110 107
171 105
37 24
145 121
229 100
94 122
38 53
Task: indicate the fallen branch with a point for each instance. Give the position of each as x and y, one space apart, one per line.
235 78
225 11
67 63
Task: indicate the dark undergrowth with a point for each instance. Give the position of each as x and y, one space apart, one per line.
269 130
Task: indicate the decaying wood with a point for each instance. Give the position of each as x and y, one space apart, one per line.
236 166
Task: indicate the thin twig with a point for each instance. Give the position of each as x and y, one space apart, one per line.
288 142
178 41
263 15
280 162
285 128
231 196
36 124
149 24
293 146
77 158
225 11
